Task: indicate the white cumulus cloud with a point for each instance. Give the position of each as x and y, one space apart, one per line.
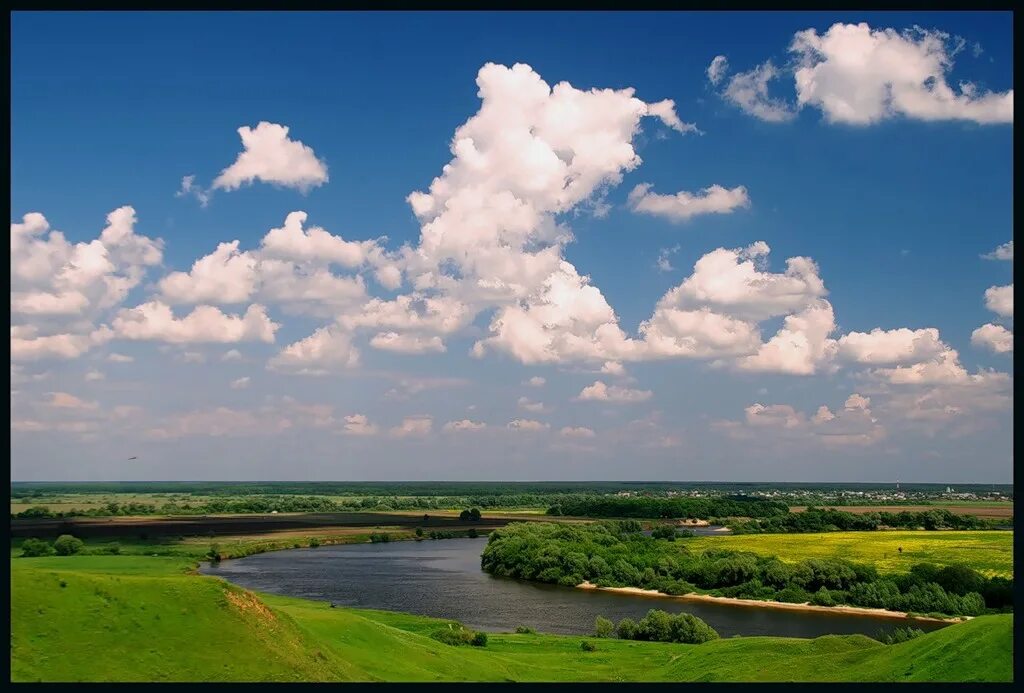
684 206
270 156
600 392
994 337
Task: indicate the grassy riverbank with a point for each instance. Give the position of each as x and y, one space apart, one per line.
145 618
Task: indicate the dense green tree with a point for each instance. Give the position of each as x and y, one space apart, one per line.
603 627
626 629
67 545
959 579
36 547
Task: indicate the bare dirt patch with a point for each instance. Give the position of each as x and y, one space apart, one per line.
247 603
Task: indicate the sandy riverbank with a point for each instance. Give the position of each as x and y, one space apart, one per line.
859 610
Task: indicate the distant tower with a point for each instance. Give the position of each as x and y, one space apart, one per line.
897 484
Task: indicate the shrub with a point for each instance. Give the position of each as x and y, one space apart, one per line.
526 630
479 639
660 626
823 598
664 532
419 531
67 545
677 587
899 635
36 547
474 514
570 580
464 515
453 634
587 646
603 628
314 542
379 538
37 511
959 579
998 592
472 533
776 573
213 554
656 626
626 629
687 628
793 595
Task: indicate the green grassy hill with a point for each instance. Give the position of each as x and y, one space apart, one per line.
132 618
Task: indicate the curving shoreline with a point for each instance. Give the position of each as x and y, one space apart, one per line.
764 604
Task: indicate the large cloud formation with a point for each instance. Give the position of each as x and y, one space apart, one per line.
490 262
857 75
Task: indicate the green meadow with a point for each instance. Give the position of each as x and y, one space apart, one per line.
146 618
988 552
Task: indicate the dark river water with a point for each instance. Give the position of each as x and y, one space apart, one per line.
442 578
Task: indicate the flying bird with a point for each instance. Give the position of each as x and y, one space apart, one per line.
133 458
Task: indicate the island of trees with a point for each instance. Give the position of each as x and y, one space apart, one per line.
618 554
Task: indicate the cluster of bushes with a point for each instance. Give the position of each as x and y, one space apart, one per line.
692 508
664 532
445 534
64 545
899 635
441 534
828 520
473 514
379 538
457 634
609 556
658 626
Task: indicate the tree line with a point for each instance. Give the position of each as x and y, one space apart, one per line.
265 505
689 508
829 520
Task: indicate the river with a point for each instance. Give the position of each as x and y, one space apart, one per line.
442 578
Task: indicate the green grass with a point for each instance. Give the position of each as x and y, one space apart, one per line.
989 552
139 618
196 548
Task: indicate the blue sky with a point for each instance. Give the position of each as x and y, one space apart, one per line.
895 199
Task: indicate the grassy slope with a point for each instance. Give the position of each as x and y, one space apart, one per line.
131 618
985 551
